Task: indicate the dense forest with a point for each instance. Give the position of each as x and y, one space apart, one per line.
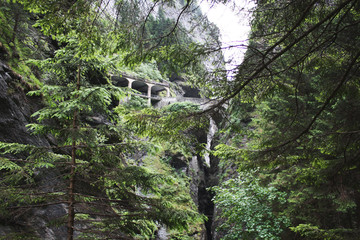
270 152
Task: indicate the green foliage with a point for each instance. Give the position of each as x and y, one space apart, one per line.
136 199
186 107
20 236
176 190
18 42
148 71
93 143
250 209
313 232
134 103
167 42
62 21
169 124
300 77
112 196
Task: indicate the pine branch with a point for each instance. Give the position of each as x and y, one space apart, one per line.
264 65
323 107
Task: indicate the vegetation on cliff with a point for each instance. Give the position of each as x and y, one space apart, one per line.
291 126
90 166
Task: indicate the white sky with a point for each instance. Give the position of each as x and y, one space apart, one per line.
233 22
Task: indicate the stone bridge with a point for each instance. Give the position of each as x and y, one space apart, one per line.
151 90
147 89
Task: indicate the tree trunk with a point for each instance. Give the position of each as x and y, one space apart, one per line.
15 29
71 208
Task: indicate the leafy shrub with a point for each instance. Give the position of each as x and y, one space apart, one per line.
248 208
183 106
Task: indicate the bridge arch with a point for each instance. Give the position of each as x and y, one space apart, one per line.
146 89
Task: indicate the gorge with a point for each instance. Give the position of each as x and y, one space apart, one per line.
121 119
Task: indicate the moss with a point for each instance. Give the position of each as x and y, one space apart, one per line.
20 236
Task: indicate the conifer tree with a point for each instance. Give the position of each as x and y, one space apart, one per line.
299 84
106 195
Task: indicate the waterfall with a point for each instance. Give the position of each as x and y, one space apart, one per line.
212 130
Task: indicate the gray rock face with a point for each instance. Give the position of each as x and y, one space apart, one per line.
15 113
15 110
